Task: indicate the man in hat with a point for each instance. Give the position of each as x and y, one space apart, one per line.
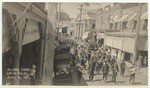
79 68
122 67
99 64
92 67
132 74
114 71
105 69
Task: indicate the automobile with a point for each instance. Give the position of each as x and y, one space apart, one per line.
63 63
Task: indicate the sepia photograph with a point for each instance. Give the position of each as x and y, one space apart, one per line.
75 43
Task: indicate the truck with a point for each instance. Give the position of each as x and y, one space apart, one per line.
63 63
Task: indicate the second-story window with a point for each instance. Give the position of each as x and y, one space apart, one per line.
116 26
93 26
145 24
134 25
124 26
111 26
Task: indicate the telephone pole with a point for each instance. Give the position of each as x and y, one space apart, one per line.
58 20
137 34
80 20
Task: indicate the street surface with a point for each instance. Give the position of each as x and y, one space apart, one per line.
141 78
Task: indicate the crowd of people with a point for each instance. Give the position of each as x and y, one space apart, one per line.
99 61
95 61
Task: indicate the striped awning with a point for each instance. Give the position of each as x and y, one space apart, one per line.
116 18
124 18
111 20
133 17
100 35
145 15
85 35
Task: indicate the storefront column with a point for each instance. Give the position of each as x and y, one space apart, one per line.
137 34
131 57
42 46
119 54
122 55
121 48
104 40
112 50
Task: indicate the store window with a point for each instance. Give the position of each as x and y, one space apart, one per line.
145 24
71 33
134 25
124 26
77 25
116 26
111 26
93 26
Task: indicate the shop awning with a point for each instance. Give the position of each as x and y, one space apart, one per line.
133 17
85 35
108 40
128 44
144 16
111 20
31 32
116 18
143 44
124 17
100 35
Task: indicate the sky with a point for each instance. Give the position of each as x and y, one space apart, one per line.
73 8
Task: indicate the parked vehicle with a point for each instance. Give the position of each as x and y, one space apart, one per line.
62 63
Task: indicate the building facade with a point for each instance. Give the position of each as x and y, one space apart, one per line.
25 41
72 28
123 17
87 25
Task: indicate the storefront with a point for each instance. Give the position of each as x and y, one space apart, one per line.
21 48
30 54
123 46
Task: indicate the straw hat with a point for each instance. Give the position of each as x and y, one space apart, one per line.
34 66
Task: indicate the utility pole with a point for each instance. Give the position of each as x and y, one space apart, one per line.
80 20
137 34
58 20
62 20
